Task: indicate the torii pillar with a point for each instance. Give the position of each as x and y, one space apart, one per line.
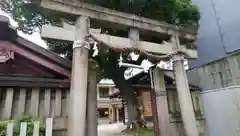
78 91
184 96
91 129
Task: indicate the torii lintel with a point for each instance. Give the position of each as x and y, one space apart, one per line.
116 19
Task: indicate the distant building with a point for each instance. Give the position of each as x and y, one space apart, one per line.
170 109
109 110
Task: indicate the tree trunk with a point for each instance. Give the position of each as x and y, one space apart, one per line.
110 66
128 94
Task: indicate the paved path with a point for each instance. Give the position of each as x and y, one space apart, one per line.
114 129
110 129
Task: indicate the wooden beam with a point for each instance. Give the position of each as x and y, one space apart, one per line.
113 17
34 102
8 104
47 102
169 87
66 33
22 102
35 68
58 103
33 82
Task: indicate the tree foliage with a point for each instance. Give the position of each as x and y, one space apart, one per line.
178 12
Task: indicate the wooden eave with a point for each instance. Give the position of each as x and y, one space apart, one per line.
104 17
45 53
32 51
33 47
144 79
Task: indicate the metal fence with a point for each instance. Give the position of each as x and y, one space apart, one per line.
222 111
23 128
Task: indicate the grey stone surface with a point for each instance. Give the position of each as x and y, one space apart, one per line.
110 129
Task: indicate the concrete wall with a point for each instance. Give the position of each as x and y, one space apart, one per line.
218 74
222 111
218 34
220 82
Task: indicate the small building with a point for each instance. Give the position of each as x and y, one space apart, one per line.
109 110
33 81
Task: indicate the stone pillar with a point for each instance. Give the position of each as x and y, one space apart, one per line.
154 109
161 103
8 104
110 114
78 91
22 101
92 101
113 113
184 95
117 114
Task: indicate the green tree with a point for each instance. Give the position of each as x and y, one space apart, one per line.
177 12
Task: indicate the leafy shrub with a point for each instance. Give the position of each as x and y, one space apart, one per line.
30 126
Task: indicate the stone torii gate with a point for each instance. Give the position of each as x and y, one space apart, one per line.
100 16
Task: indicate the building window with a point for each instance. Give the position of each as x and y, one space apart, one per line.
103 92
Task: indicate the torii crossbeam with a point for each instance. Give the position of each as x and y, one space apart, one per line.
115 42
136 25
116 19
